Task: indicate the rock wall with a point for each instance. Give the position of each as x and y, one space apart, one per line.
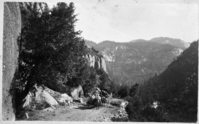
103 65
97 62
11 30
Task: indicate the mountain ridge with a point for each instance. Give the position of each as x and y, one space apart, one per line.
164 40
132 62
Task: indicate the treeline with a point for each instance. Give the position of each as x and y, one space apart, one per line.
137 110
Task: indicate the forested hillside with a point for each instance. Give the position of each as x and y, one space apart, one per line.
133 62
177 87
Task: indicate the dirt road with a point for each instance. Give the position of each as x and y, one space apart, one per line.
76 112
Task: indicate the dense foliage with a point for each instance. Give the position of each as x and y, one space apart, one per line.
138 112
170 96
51 51
96 78
177 87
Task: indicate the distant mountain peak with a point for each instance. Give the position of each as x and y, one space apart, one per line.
138 40
107 41
172 41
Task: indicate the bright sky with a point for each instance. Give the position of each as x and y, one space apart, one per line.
101 20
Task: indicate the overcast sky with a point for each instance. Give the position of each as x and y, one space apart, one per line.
125 21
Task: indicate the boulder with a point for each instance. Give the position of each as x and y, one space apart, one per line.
76 92
53 93
11 31
61 98
48 98
49 109
39 99
28 100
123 104
118 102
81 101
64 98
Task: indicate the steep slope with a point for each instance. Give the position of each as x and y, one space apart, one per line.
177 87
95 59
136 61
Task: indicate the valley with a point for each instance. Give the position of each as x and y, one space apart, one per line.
51 73
136 61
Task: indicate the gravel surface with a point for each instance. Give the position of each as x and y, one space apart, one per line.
76 112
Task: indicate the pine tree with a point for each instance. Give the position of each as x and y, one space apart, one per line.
50 48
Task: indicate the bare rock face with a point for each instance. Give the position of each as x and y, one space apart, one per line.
97 62
11 30
103 65
76 92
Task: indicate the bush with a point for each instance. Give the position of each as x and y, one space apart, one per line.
134 108
123 91
153 114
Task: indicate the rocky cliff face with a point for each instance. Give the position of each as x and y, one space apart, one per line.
96 62
12 28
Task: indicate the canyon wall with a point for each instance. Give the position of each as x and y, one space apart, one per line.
96 62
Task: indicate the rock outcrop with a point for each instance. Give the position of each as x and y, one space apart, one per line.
65 99
96 62
48 98
43 98
11 31
39 99
119 102
76 92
